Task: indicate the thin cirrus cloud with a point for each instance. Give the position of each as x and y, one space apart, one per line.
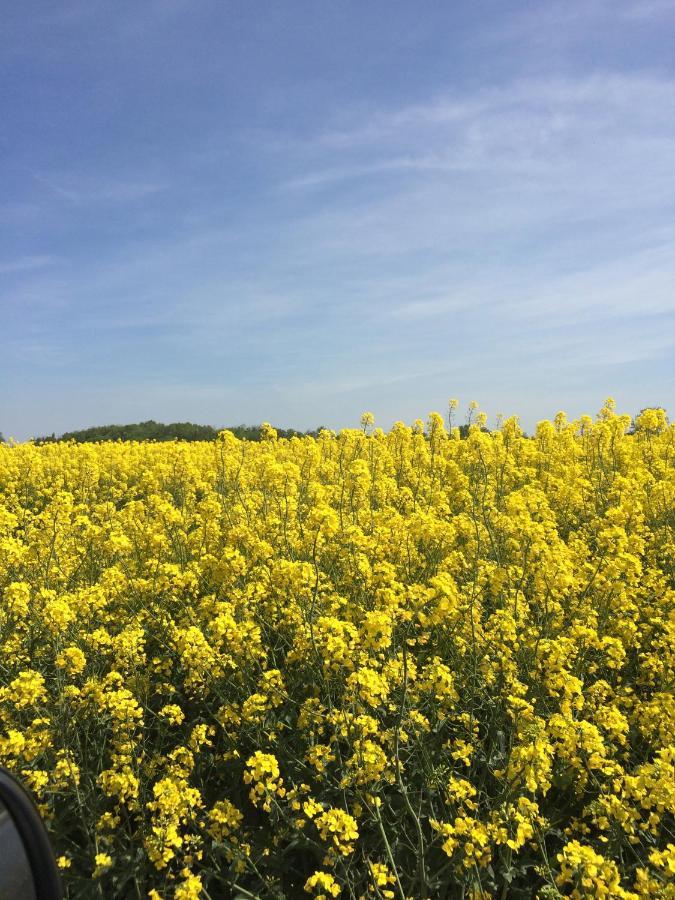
543 167
533 127
25 264
583 224
83 192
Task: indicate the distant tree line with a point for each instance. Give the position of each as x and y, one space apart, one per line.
158 431
181 431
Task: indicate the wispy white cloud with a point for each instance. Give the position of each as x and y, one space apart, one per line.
81 190
559 26
55 188
43 354
26 264
647 10
531 122
641 284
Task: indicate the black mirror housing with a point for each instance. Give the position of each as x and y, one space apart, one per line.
28 870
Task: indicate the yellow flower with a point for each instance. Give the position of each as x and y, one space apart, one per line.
72 659
338 828
322 885
190 888
370 685
263 774
382 877
225 820
102 862
172 713
27 689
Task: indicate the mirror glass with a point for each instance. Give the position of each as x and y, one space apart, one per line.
16 881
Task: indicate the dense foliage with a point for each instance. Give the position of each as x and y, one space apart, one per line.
360 665
158 431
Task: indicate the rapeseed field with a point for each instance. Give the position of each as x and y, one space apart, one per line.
363 665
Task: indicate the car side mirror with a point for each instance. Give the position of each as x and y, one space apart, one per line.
28 870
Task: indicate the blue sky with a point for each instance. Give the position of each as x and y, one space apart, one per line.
226 212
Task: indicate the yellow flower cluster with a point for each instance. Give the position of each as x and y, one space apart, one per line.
428 662
339 828
263 773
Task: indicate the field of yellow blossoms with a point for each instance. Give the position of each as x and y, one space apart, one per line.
365 665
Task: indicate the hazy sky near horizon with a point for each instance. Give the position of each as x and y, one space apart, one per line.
232 212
